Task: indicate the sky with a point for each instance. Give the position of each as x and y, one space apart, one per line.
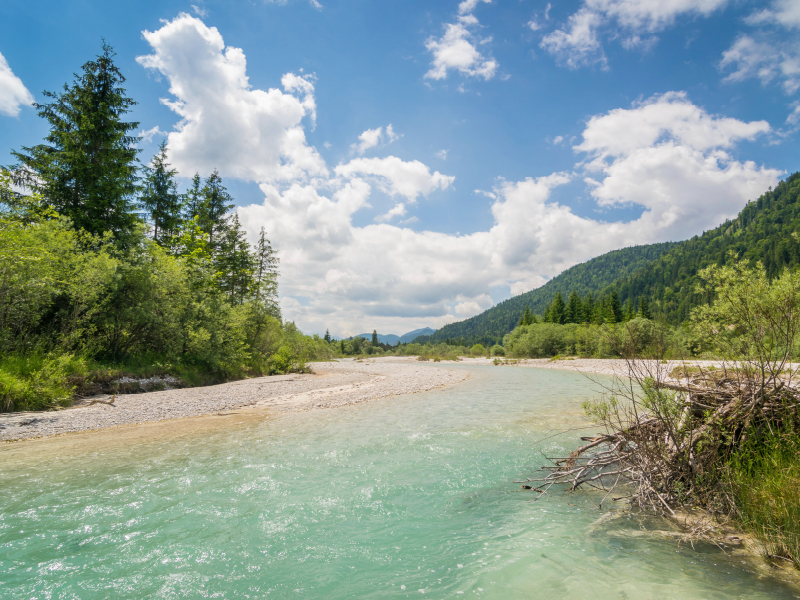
415 163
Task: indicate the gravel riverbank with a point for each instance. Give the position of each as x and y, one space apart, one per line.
331 384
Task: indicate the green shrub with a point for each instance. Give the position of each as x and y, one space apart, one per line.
498 350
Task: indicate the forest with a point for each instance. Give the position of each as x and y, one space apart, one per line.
107 271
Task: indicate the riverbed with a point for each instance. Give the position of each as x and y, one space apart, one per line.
401 496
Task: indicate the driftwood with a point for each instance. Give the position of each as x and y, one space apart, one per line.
667 446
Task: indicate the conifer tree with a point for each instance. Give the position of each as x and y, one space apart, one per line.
574 309
557 309
86 169
374 337
615 307
160 198
644 309
327 337
265 276
234 262
193 199
214 207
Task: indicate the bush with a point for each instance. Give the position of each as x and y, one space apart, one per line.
498 350
477 350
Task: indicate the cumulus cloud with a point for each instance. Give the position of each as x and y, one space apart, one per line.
456 49
397 177
632 21
13 93
147 135
665 155
766 59
782 12
225 124
374 137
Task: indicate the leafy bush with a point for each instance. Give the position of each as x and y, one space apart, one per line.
498 350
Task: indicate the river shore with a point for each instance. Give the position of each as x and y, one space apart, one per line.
330 385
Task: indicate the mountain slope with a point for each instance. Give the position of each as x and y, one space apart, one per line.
592 276
766 230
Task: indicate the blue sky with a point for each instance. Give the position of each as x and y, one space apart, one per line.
416 162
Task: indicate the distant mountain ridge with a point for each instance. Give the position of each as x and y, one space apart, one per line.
393 339
590 277
765 230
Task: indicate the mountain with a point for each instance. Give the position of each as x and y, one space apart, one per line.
593 276
765 230
409 337
390 338
393 339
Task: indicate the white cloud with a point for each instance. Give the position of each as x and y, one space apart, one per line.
399 210
442 154
13 93
225 124
397 177
794 116
147 135
782 12
578 43
558 139
467 6
456 50
765 60
374 137
200 12
665 155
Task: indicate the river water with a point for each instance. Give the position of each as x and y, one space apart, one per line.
409 496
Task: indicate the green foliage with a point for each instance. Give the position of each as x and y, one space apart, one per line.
86 168
36 382
591 277
764 231
498 350
160 197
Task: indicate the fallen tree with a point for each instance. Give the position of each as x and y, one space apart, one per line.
674 438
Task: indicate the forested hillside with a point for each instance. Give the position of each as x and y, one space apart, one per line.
590 277
766 230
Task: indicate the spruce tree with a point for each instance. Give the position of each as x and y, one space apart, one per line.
160 198
574 310
265 276
327 337
615 307
557 309
644 309
86 169
374 337
213 210
234 263
193 199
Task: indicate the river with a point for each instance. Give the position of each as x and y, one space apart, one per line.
410 496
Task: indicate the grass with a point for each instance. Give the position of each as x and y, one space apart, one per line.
44 382
766 484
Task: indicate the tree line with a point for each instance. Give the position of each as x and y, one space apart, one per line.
105 267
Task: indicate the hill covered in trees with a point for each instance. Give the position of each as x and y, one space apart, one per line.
586 278
766 231
661 277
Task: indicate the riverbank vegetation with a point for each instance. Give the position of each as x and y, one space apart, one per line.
721 441
108 272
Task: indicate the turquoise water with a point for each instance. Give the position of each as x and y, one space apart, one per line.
402 497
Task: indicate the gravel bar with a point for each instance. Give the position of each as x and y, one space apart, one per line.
331 384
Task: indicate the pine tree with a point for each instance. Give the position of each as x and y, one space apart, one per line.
627 310
214 207
193 199
374 337
574 309
234 263
265 276
327 337
86 169
557 309
644 309
615 307
160 198
589 309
